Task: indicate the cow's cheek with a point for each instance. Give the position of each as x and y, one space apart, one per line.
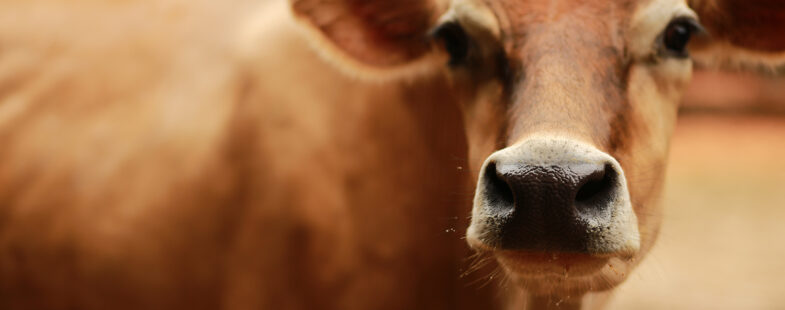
653 96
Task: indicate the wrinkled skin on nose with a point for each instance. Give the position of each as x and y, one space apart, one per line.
552 194
546 211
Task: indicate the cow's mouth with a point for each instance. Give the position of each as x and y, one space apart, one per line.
540 265
550 265
562 273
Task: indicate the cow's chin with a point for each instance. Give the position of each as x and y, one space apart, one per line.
564 274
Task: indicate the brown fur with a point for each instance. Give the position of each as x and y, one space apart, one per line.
149 162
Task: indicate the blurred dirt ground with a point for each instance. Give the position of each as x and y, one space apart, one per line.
722 244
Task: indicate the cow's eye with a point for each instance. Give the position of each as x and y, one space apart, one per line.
454 40
678 34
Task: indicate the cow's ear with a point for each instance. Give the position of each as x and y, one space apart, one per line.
379 34
741 33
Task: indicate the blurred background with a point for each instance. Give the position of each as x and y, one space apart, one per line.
722 244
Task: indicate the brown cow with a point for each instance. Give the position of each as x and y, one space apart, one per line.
201 155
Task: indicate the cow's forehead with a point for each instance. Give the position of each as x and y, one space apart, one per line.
541 22
609 32
520 21
520 12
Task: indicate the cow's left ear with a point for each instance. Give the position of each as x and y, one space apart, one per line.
741 32
376 33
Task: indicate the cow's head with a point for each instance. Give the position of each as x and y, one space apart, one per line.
568 106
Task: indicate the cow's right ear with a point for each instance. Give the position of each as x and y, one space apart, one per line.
372 34
742 33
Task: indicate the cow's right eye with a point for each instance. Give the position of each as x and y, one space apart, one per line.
677 35
454 40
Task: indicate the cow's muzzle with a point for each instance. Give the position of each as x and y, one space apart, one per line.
553 195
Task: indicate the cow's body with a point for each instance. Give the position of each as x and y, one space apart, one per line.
152 166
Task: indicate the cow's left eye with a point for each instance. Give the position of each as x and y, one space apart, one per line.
677 35
454 40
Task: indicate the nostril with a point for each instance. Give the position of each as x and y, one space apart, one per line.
597 189
497 191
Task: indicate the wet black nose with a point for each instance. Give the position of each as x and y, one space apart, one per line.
549 207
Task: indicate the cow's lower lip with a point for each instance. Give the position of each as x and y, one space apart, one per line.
562 274
548 265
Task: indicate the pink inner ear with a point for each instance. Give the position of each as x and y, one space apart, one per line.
382 33
756 25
